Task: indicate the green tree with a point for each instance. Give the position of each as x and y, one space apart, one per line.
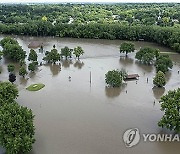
32 55
22 62
78 51
17 129
11 68
8 40
52 56
14 52
146 55
66 52
170 104
11 49
113 78
32 66
8 92
22 71
159 79
12 77
127 48
163 63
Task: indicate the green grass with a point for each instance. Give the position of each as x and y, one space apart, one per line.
35 87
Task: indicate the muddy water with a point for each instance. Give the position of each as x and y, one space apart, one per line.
76 117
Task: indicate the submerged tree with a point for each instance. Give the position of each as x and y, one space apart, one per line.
127 47
78 51
170 104
32 55
10 68
159 79
22 71
52 56
114 78
12 50
163 63
32 66
8 40
147 55
12 77
66 52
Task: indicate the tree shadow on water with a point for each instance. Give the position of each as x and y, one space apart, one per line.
55 69
23 81
158 92
112 92
126 61
78 64
66 63
144 67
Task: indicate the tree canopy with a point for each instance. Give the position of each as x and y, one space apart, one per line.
156 23
78 51
170 104
32 55
12 50
159 80
127 47
163 63
16 122
147 55
114 78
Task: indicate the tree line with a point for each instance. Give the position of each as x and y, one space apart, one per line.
166 36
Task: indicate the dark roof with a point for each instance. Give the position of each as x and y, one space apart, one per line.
35 44
132 76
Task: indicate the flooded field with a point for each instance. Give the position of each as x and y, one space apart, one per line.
76 117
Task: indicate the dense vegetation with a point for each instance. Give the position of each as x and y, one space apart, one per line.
151 22
16 122
170 104
150 56
12 49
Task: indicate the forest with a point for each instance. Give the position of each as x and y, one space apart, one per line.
149 22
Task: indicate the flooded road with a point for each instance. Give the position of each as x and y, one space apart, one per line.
76 117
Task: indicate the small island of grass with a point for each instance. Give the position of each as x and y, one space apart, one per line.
35 87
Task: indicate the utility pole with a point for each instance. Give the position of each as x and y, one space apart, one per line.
90 78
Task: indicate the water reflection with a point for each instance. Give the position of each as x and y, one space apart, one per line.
23 81
145 68
78 64
112 92
126 61
158 92
32 75
66 63
55 69
168 75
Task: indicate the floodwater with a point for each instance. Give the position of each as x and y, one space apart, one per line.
78 117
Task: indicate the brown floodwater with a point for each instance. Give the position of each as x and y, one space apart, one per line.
76 117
